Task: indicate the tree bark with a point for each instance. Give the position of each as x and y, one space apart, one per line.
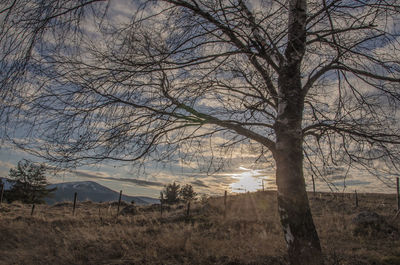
300 234
298 226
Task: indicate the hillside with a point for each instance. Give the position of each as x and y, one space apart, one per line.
7 184
91 191
249 233
87 191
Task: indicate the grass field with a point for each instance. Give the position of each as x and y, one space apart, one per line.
249 233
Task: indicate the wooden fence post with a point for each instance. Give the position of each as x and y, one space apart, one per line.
225 198
73 209
313 184
161 203
33 209
398 193
1 195
119 202
188 210
355 191
262 181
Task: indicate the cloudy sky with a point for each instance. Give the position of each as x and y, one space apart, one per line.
238 175
237 180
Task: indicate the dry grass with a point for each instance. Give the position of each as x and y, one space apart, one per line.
249 234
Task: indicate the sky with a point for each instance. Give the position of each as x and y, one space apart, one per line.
239 180
240 176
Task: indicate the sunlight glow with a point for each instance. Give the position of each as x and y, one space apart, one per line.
251 180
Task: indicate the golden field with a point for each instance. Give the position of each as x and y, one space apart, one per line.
249 232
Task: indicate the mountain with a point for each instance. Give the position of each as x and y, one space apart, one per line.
7 183
87 190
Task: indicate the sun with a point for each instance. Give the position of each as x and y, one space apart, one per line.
248 180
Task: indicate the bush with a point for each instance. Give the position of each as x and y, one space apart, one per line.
170 193
187 193
173 193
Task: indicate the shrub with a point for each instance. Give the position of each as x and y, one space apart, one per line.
187 193
170 193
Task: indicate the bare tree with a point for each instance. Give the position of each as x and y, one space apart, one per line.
152 80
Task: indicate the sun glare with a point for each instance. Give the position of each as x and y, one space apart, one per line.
249 180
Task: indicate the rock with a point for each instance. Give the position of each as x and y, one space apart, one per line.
128 210
369 223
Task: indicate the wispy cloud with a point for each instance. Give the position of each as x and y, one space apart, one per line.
104 176
354 182
199 183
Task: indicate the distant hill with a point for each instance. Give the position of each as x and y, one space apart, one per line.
87 190
92 191
7 183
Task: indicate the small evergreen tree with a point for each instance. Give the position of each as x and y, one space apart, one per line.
187 193
170 193
29 183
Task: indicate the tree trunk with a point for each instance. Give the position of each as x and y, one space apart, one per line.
298 226
294 209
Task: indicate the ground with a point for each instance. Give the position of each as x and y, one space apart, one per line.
247 232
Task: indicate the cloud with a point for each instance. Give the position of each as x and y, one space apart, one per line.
104 176
6 165
351 183
141 182
199 183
